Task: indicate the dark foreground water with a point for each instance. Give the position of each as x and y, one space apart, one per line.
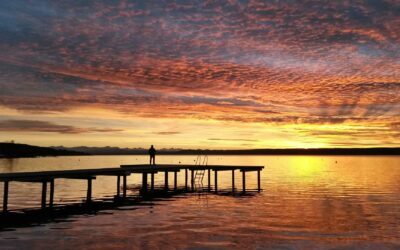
308 202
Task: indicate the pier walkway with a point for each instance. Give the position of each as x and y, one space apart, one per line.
48 177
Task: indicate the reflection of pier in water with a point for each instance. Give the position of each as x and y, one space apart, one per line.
148 190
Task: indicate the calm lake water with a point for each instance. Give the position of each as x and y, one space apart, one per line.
307 202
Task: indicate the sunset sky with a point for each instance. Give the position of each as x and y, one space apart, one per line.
200 74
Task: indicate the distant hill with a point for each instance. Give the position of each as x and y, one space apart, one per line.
105 150
115 150
315 151
16 150
296 151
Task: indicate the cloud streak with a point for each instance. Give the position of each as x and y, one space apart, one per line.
48 127
232 139
168 133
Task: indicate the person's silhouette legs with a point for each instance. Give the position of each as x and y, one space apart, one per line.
152 160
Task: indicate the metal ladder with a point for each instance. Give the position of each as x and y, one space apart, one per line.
199 174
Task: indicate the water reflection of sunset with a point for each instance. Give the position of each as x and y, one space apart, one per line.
318 201
306 167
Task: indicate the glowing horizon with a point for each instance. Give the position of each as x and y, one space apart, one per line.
197 74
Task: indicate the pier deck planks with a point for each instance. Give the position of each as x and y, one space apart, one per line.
119 171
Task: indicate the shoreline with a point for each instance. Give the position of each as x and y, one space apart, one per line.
13 150
196 154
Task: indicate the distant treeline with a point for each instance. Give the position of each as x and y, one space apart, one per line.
106 150
316 151
15 150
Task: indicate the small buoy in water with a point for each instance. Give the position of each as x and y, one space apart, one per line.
335 161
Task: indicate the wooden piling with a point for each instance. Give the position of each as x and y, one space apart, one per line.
152 182
192 180
244 181
44 191
216 180
118 186
259 180
209 180
166 181
124 186
186 179
89 190
144 182
175 180
5 197
51 193
233 181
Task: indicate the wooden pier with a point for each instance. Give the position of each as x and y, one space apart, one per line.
47 178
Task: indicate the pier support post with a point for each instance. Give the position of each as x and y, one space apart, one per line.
5 197
144 182
192 180
186 179
259 180
166 180
209 180
216 180
152 182
51 193
44 191
233 181
244 180
118 186
175 180
89 190
124 186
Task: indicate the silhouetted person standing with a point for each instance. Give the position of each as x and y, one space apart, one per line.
152 153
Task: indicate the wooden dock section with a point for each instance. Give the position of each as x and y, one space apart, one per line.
47 178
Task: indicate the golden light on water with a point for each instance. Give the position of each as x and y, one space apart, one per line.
306 167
